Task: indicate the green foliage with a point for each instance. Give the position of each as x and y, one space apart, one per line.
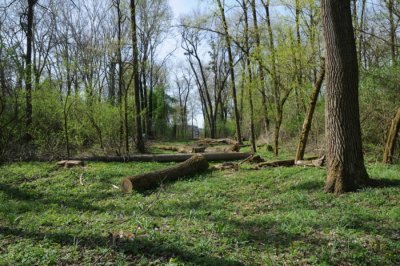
379 98
267 217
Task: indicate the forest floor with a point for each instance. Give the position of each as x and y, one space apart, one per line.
277 216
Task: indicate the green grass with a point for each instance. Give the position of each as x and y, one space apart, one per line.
274 216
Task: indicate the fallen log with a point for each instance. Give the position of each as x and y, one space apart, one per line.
71 163
213 142
285 163
215 156
227 166
179 149
196 164
317 163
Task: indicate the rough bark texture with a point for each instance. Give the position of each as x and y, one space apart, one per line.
195 164
309 116
345 162
391 139
217 156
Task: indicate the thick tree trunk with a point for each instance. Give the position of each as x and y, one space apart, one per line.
345 162
196 164
309 116
391 139
139 138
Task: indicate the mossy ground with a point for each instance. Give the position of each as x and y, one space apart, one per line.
274 216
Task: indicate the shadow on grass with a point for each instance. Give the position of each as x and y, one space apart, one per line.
309 185
134 248
39 200
384 183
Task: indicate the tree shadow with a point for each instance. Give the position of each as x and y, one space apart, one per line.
151 249
384 183
309 185
38 199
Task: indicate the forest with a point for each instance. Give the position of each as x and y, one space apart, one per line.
241 132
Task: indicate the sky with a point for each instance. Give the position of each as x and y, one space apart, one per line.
179 8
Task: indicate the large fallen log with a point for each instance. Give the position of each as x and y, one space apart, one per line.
316 163
285 163
212 142
196 164
71 163
216 156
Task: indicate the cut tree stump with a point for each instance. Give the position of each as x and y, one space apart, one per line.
71 163
212 156
196 164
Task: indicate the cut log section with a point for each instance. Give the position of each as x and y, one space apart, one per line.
284 163
213 142
196 164
71 163
317 163
215 156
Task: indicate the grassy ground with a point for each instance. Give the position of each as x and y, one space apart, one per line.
269 217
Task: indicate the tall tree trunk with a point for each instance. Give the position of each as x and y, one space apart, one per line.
123 119
391 139
274 75
250 75
136 80
28 68
232 71
345 162
309 116
261 73
392 30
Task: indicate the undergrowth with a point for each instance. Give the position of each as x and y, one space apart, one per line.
277 216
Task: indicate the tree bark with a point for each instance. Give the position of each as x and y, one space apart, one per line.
309 116
139 138
195 164
391 139
345 162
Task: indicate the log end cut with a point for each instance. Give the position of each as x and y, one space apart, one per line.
126 185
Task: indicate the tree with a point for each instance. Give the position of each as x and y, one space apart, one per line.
232 70
139 138
28 65
391 139
345 162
